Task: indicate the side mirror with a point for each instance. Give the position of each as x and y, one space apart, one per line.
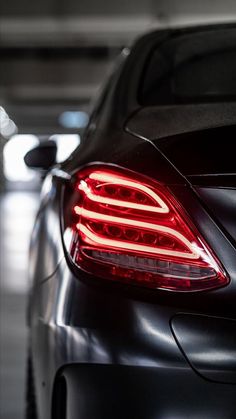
42 157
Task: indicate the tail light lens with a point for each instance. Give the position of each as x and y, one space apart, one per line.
124 227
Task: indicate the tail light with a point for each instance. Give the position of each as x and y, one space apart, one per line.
124 227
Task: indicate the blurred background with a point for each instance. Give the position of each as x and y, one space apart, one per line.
54 57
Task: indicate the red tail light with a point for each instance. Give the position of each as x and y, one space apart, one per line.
131 229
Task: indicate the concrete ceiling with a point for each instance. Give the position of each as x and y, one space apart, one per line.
38 84
56 53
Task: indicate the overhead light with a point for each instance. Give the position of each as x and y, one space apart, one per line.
74 119
66 144
8 130
7 126
4 118
13 157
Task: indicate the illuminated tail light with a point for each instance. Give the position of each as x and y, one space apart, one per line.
123 227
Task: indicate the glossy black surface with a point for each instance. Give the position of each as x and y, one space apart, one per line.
191 67
111 346
144 393
209 345
222 203
157 123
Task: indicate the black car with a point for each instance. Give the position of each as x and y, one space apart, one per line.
132 311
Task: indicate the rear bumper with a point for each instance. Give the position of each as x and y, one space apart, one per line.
105 392
122 356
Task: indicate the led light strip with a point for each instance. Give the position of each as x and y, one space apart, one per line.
91 215
116 180
154 269
134 247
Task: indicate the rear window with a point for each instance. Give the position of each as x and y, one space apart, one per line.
190 68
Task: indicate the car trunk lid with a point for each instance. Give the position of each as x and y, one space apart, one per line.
200 142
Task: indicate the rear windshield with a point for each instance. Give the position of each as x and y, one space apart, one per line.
190 68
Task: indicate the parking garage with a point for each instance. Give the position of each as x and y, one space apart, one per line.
54 60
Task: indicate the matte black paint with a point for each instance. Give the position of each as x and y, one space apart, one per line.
209 345
125 351
144 392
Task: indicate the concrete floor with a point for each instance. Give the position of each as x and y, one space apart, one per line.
17 211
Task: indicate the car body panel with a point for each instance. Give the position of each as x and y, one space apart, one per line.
144 392
209 345
119 348
158 123
82 324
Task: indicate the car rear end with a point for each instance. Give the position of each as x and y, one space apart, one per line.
138 317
